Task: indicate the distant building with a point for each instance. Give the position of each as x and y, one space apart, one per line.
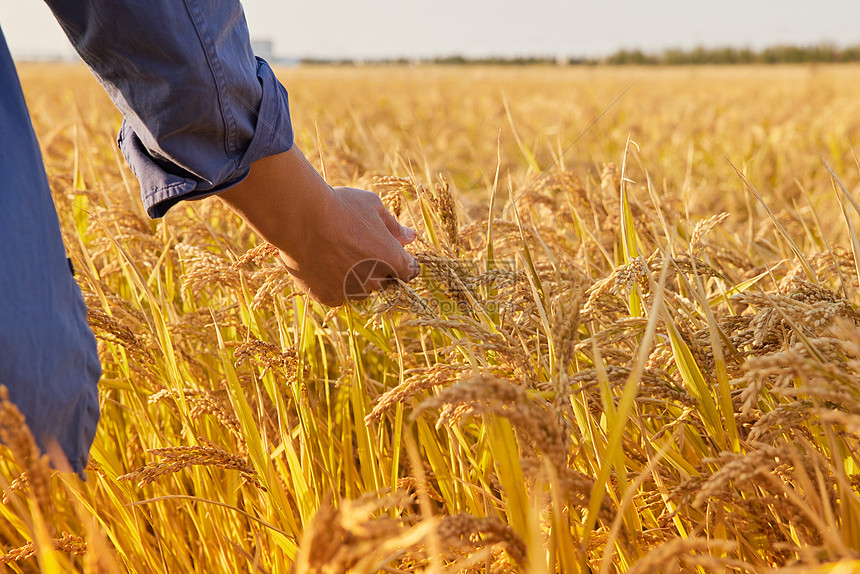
265 48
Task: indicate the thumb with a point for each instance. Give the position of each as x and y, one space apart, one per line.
405 266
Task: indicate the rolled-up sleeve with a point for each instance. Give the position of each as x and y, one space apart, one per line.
198 107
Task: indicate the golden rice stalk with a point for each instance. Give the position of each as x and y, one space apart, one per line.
18 484
625 329
850 421
258 255
16 435
498 277
346 538
610 188
451 274
469 533
604 297
204 402
703 227
391 190
416 381
654 383
781 419
399 296
18 554
181 457
555 190
268 356
272 279
809 307
507 238
444 205
828 265
829 375
738 469
275 280
112 330
65 543
205 268
491 395
482 339
670 556
338 538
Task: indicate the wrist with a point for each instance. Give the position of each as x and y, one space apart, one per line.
280 198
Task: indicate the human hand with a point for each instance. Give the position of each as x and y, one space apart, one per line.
337 243
352 246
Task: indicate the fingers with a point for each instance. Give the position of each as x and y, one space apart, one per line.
397 264
367 276
413 268
405 266
409 235
405 235
392 262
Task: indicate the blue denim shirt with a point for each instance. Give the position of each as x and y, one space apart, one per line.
198 107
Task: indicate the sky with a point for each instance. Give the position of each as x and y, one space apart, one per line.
373 29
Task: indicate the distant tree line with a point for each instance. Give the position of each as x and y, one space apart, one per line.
824 53
444 60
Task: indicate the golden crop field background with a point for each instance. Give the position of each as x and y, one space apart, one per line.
646 360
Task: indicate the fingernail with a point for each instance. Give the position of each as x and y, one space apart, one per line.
415 269
409 233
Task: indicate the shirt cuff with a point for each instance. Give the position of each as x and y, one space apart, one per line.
164 184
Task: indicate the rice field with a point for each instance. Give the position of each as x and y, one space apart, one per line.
634 345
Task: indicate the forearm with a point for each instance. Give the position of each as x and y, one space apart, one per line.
277 197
